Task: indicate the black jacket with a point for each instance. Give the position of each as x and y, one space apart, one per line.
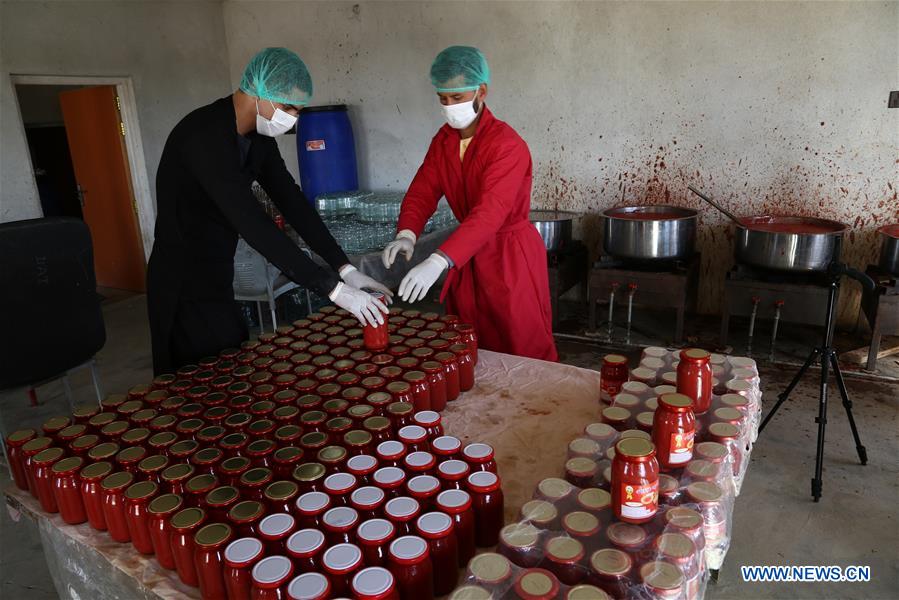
203 202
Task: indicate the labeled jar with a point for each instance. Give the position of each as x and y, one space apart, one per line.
340 563
694 378
373 537
159 513
673 431
635 481
137 498
305 548
487 502
410 563
210 541
613 374
66 490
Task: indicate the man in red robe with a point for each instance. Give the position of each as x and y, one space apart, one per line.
497 276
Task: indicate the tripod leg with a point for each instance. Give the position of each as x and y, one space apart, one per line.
786 393
847 404
817 482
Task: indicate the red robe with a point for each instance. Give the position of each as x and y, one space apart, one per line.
499 281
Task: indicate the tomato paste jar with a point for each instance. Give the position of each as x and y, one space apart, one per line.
446 447
595 501
137 498
424 489
410 562
362 467
340 563
339 524
245 517
92 493
563 559
415 438
374 583
309 586
437 529
492 572
466 363
487 502
617 417
729 436
661 580
612 375
309 476
281 496
114 505
270 576
480 457
520 543
210 541
402 512
239 558
305 548
542 514
536 584
367 501
373 537
14 443
694 378
310 507
679 550
688 522
628 538
583 527
274 530
635 481
419 463
400 414
159 513
450 374
557 491
66 490
673 430
581 472
379 427
610 570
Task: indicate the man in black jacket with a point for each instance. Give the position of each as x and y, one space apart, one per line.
204 202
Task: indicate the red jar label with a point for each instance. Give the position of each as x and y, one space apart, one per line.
640 502
681 449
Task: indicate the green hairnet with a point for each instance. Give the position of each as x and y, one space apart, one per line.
279 75
459 69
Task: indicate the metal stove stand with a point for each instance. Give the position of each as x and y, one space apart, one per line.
567 268
881 308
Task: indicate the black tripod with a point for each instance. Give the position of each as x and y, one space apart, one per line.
828 357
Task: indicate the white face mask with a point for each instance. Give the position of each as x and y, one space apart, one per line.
280 123
461 115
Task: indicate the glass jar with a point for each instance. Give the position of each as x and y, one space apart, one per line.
66 490
694 378
260 453
492 572
536 584
274 530
410 562
309 476
437 382
196 488
728 436
437 529
281 496
339 486
688 522
487 502
628 538
450 374
379 427
137 519
305 548
339 524
362 467
480 457
210 541
452 474
415 438
374 583
612 375
368 501
400 413
420 389
661 580
357 442
419 463
582 472
610 570
542 514
245 517
340 563
92 493
563 559
310 507
402 512
232 469
679 550
557 491
309 586
673 430
373 537
271 576
239 557
162 442
583 527
219 501
465 362
446 447
635 481
253 482
391 453
42 477
390 479
159 512
458 505
81 446
423 488
469 338
520 543
113 498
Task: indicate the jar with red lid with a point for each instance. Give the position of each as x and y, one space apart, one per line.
339 524
239 558
487 502
610 570
491 571
340 563
362 467
402 511
210 541
245 516
339 486
453 473
424 489
274 530
694 378
42 477
159 513
400 414
113 501
673 430
305 547
15 456
537 584
89 478
137 519
480 457
391 480
563 558
465 361
151 468
367 501
436 528
635 481
196 488
333 458
232 469
520 543
661 580
458 505
207 460
309 476
410 563
419 463
219 502
66 489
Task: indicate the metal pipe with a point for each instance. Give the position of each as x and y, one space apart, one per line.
631 289
755 309
777 306
614 288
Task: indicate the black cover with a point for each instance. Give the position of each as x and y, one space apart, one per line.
49 309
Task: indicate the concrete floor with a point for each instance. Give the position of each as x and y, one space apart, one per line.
776 523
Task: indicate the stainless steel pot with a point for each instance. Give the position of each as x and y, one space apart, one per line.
796 244
646 233
889 248
554 226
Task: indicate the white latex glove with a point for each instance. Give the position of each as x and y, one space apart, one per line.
404 242
419 280
354 278
362 305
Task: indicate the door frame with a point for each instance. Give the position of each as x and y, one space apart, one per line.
137 164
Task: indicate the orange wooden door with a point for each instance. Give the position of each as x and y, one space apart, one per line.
95 134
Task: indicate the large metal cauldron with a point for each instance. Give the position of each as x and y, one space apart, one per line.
649 233
889 248
795 244
554 226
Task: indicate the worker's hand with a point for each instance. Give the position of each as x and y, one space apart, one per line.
404 242
419 280
354 278
365 307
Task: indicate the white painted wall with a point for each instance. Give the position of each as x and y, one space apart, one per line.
768 106
174 53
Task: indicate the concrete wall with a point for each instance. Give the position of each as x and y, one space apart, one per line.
769 107
174 52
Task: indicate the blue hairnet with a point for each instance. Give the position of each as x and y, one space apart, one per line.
279 75
459 69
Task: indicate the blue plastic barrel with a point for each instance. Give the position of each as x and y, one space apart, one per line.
326 151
